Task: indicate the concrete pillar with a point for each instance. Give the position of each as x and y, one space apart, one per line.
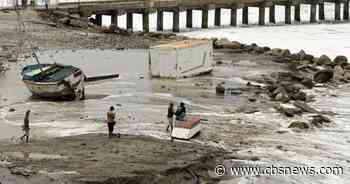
287 14
261 15
98 19
337 10
321 11
176 21
245 15
272 14
159 20
114 17
217 18
346 10
205 18
145 21
129 21
233 16
313 13
189 17
297 12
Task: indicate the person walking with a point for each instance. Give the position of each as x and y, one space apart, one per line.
110 121
25 127
170 117
180 112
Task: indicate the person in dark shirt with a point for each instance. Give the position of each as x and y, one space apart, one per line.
170 117
111 121
25 126
180 112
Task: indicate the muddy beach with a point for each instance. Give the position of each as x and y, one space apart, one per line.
250 116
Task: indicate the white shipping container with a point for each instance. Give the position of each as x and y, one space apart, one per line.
181 59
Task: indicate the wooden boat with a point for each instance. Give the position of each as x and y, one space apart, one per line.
54 81
186 129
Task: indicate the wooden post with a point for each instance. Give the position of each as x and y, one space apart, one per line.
313 13
297 12
189 17
99 19
287 14
272 14
346 10
337 10
205 18
217 18
114 17
321 11
176 20
145 21
245 15
159 20
233 16
262 14
129 21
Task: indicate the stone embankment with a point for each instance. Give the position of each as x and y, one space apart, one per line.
289 89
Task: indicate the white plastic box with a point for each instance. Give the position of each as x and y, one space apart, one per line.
181 59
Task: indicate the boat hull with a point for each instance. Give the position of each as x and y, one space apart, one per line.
186 129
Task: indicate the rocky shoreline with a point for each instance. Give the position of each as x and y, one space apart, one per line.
287 92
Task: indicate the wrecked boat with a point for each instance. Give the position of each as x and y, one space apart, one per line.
186 129
54 81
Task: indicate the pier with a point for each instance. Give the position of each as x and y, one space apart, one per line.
115 8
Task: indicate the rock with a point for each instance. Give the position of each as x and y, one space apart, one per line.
259 50
266 49
22 171
323 76
219 62
339 73
340 60
304 107
307 82
288 110
219 89
274 52
299 124
299 96
301 54
320 119
285 53
226 44
324 60
78 23
281 95
12 110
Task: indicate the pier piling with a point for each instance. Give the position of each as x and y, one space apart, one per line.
129 21
287 14
272 14
114 17
313 13
233 16
297 13
245 15
337 10
176 20
217 18
205 18
145 21
159 20
346 10
98 19
262 14
321 11
189 17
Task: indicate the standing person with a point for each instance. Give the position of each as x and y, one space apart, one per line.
110 121
170 117
180 112
25 127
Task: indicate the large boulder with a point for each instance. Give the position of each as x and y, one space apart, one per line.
299 96
324 60
304 107
289 110
285 53
339 73
299 124
307 82
318 120
226 44
220 89
323 76
301 55
340 60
